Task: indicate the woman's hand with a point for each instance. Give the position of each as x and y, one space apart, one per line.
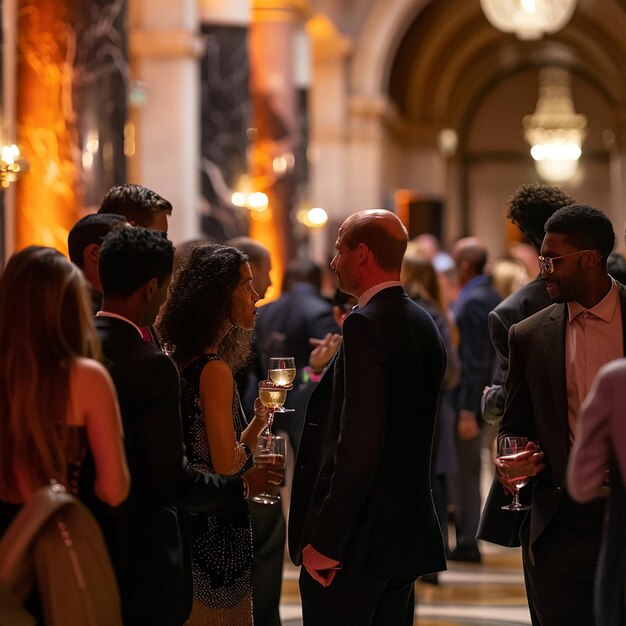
261 412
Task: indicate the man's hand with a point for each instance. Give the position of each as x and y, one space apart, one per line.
323 351
321 568
265 478
467 427
531 454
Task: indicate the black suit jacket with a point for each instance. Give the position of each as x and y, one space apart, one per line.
536 405
361 490
496 525
149 541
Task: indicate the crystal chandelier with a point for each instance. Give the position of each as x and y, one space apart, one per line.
11 165
555 131
528 19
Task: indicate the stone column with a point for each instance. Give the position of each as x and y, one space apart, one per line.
277 130
165 48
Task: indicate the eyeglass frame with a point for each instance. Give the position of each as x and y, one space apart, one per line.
546 263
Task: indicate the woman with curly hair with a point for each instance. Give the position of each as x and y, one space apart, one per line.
206 326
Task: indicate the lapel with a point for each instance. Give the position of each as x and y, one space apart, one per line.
554 354
622 301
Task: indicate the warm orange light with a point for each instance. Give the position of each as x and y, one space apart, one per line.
47 202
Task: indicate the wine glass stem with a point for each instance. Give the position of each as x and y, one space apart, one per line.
270 421
516 502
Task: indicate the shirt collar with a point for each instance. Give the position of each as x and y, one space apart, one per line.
120 317
605 309
366 296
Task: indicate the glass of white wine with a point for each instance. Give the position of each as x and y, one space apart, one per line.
282 371
273 397
270 450
517 467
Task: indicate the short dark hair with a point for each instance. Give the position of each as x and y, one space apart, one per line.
388 249
91 229
585 227
302 271
130 257
136 203
531 205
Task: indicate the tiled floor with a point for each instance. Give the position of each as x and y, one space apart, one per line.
489 594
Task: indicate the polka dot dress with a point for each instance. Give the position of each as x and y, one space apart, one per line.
221 548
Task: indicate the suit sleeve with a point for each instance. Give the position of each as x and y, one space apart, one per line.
492 403
517 418
161 452
590 455
362 433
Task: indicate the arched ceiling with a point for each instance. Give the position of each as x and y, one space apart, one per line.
450 57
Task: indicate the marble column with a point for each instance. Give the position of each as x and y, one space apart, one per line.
165 50
71 110
275 27
225 116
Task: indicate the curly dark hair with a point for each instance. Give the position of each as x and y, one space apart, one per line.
130 257
199 307
136 203
531 205
584 227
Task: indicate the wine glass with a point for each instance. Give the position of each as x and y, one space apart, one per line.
270 450
273 397
282 371
517 470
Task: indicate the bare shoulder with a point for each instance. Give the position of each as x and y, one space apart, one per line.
215 374
89 372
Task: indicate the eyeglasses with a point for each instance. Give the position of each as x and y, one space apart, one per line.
546 263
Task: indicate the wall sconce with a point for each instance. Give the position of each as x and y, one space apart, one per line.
555 131
528 19
11 165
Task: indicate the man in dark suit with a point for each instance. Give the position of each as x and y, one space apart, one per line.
149 539
362 520
476 299
554 356
529 208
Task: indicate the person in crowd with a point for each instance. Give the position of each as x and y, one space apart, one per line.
139 205
285 327
83 245
422 284
206 325
268 522
151 544
362 520
599 454
616 267
554 356
528 208
56 402
471 309
507 276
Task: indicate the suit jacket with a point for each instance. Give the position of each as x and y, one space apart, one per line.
149 540
536 405
361 490
476 300
496 525
517 307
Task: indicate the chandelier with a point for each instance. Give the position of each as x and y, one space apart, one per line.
528 19
555 131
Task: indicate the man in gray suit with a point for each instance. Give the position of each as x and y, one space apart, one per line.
554 356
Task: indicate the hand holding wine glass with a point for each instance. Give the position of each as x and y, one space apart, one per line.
516 467
273 397
270 451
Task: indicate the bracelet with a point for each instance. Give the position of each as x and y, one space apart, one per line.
309 375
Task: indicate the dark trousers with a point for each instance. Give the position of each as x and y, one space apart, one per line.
559 584
357 601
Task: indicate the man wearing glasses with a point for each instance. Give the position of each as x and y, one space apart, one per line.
554 356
